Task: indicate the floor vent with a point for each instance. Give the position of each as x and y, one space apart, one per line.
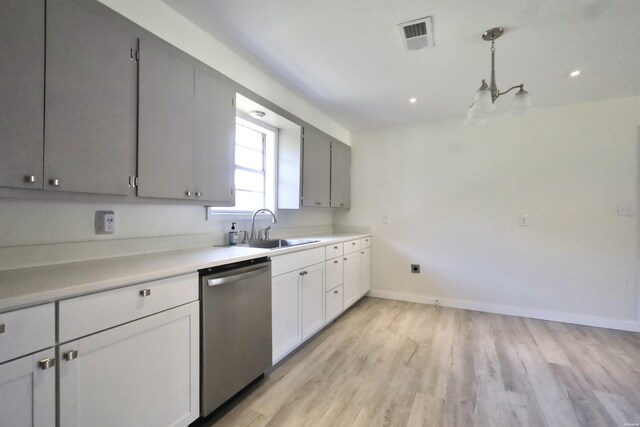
417 34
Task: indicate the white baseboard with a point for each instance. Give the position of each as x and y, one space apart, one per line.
578 319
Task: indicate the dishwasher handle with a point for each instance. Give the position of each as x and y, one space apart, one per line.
240 274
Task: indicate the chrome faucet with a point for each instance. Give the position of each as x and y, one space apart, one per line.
253 221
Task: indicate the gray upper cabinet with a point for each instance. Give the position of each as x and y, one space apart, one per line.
215 126
340 175
187 128
316 169
91 99
21 92
165 143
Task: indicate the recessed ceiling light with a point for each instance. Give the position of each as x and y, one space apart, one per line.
413 100
575 73
257 114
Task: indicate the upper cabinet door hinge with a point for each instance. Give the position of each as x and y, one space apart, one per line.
133 181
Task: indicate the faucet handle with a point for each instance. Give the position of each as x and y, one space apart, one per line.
266 233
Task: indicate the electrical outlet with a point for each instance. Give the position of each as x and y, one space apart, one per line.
105 222
415 268
524 220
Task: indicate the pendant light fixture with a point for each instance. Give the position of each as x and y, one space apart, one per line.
486 96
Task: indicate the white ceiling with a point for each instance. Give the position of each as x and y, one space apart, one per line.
346 57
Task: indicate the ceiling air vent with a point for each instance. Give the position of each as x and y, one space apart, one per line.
417 34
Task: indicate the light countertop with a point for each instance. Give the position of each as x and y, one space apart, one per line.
38 285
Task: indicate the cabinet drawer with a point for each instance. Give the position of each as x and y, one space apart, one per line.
295 261
333 303
334 269
365 243
27 331
92 313
334 250
351 246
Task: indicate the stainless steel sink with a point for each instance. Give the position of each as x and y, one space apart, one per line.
277 243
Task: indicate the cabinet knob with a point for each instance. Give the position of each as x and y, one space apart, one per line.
335 247
70 355
187 193
55 182
335 292
145 292
2 328
198 193
335 262
362 253
30 179
47 363
344 259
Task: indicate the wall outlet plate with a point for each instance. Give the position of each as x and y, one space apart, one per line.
105 222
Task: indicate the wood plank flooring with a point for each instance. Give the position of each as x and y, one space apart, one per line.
392 363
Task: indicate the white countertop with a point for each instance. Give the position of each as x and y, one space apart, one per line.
37 285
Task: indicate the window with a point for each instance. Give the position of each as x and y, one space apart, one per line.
255 166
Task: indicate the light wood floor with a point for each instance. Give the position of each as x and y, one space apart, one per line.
391 363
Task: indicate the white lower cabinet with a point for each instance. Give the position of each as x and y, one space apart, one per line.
365 270
28 391
297 306
333 303
143 373
351 278
285 308
312 285
297 299
27 367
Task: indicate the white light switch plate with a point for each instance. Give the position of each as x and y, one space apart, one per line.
625 209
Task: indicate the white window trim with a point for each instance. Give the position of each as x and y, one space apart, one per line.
271 173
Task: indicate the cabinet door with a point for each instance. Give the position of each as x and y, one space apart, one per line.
166 140
351 278
365 271
143 373
334 269
312 285
333 303
340 175
91 99
21 92
28 391
316 169
285 312
215 127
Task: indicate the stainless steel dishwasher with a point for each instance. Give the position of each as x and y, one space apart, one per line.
235 329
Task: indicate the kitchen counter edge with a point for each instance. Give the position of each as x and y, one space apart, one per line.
32 286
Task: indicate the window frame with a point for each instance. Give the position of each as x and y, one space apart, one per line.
270 167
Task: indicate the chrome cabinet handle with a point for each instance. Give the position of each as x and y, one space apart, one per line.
30 179
2 328
198 193
70 355
187 193
145 292
47 363
55 182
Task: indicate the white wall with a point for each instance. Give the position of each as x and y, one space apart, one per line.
454 196
36 232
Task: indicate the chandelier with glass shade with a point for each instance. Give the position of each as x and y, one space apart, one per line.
486 96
